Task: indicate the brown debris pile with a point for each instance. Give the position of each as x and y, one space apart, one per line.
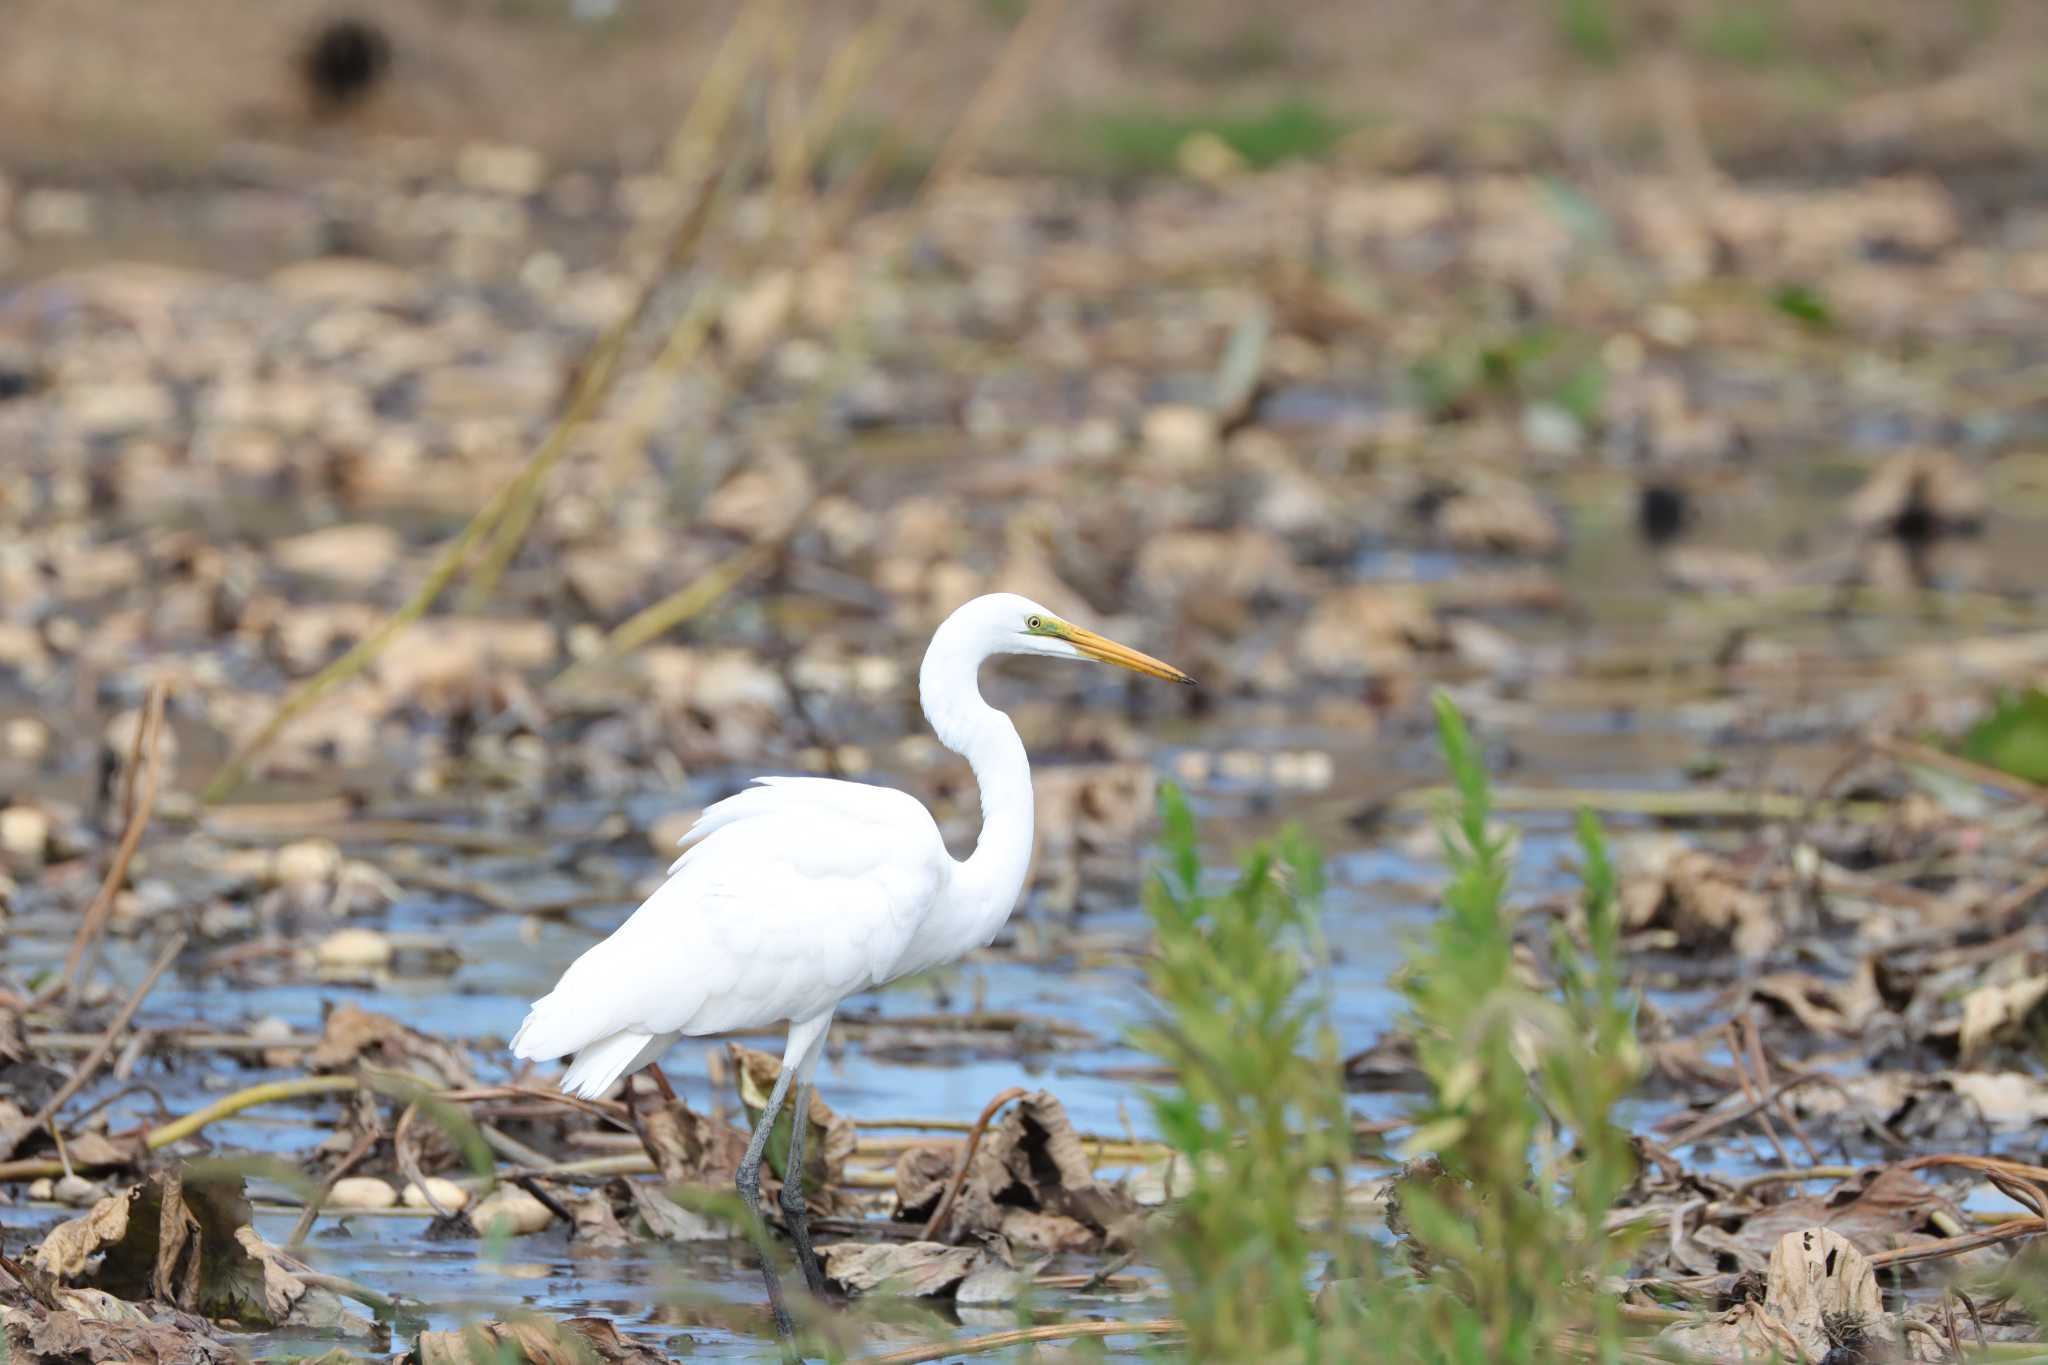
190 1247
1030 1184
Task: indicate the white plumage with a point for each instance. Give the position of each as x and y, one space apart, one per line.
801 891
791 896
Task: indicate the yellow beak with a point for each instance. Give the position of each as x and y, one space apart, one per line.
1123 656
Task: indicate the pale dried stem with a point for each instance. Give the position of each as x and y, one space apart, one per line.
145 762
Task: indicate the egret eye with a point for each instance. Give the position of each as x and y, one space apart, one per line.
1034 623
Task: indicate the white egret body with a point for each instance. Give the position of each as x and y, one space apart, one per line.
801 891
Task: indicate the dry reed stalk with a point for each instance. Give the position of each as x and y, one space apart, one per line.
145 761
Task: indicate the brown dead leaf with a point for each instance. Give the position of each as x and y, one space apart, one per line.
1918 494
1703 899
671 1222
1499 517
1827 1008
191 1245
924 1270
355 1036
1821 1292
687 1147
597 1227
78 1338
1367 629
67 1249
1030 1162
534 1341
1876 1210
1994 1013
2002 1099
922 1174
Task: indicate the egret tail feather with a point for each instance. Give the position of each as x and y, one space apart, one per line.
598 1067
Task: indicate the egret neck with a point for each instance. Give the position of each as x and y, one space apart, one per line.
949 686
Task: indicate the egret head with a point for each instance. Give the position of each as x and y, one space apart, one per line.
1017 625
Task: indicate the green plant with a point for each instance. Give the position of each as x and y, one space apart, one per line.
1502 1239
1742 34
1147 143
1522 1084
2014 737
1591 28
1532 364
1804 303
1257 1111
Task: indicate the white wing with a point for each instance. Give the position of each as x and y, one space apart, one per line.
791 896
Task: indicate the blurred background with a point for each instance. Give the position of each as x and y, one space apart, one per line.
492 429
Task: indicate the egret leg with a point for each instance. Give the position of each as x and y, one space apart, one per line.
795 1212
749 1182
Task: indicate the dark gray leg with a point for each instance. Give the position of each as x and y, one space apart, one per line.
749 1183
795 1212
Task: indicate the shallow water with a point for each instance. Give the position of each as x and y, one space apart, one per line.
1565 726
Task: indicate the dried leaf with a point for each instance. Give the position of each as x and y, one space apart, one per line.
1703 899
191 1245
1817 1278
354 1036
1033 1160
535 1341
670 1221
597 1227
688 1148
922 1174
914 1269
1993 1013
79 1339
1875 1210
2002 1099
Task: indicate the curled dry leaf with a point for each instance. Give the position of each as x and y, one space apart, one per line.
1031 1182
355 1036
927 1270
1704 900
1821 1293
533 1341
687 1147
69 1335
1876 1210
671 1222
191 1246
1992 1014
597 1227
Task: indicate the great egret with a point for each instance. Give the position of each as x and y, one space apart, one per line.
801 891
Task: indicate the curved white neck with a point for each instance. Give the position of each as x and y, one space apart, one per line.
950 689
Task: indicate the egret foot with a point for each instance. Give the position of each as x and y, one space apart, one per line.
749 1183
796 1213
